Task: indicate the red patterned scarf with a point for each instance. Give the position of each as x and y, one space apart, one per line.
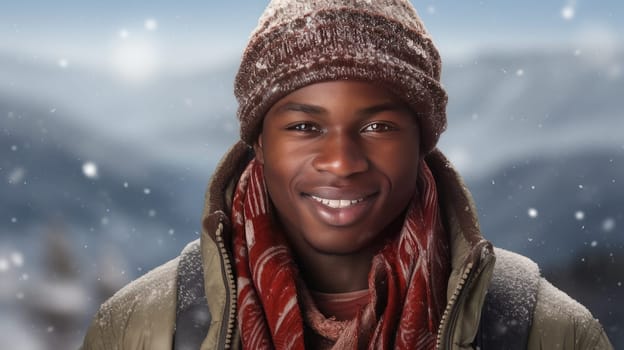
407 281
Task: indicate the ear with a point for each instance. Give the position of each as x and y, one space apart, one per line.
258 149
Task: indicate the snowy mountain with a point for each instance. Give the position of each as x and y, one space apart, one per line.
127 199
182 119
117 167
506 106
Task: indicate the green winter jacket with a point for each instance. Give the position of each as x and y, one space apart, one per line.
142 315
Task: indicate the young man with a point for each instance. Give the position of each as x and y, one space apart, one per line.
335 222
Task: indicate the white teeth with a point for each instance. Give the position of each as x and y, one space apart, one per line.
337 203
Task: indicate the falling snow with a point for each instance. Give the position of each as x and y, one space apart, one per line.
532 212
90 170
586 216
16 175
17 259
608 224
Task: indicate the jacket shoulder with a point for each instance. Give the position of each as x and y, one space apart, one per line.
555 320
560 322
509 303
139 316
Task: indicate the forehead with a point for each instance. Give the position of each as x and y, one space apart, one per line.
339 97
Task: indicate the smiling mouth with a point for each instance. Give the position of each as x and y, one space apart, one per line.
337 203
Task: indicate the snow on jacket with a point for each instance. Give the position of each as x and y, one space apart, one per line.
142 315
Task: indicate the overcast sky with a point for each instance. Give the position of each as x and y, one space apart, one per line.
148 36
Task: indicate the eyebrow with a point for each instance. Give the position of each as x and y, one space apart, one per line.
301 107
385 107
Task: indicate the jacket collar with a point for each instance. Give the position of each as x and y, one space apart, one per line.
472 257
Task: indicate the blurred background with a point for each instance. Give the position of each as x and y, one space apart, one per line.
113 115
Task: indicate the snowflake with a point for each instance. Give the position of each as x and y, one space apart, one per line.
17 259
608 224
532 212
90 170
16 175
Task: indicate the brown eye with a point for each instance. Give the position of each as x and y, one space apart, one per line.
304 127
378 127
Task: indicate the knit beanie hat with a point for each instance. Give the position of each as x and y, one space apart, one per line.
299 42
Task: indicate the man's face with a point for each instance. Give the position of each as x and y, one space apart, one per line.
340 162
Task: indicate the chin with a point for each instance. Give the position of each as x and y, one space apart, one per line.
341 246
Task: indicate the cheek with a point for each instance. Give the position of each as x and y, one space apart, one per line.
280 181
399 161
283 161
280 173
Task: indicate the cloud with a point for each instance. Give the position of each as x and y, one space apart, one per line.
600 43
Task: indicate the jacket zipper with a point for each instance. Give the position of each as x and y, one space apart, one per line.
450 313
227 327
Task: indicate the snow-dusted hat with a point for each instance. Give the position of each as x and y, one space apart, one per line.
299 42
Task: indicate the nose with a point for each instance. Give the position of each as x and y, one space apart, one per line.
341 155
